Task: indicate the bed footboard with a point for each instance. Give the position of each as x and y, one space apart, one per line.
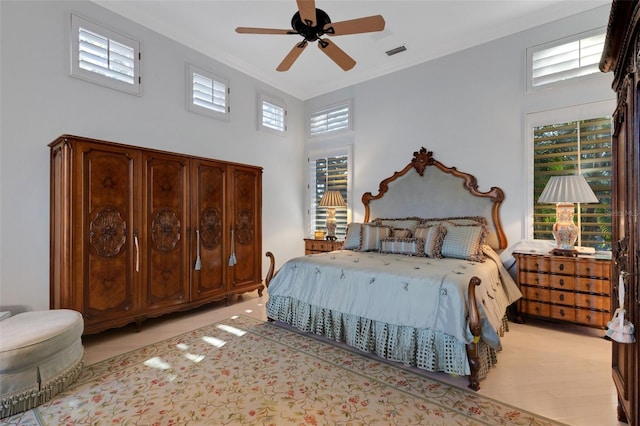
475 325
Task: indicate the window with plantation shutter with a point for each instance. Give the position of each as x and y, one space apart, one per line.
272 114
568 148
104 57
329 171
330 119
567 59
208 93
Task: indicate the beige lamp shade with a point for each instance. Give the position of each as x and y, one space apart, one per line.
567 189
332 199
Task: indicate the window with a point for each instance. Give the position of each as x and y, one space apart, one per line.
567 59
208 93
104 57
331 119
580 146
329 171
272 114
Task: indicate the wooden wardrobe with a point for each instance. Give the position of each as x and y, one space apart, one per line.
622 56
137 233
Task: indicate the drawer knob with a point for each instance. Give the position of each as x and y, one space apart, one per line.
561 281
588 301
588 286
562 312
561 267
562 297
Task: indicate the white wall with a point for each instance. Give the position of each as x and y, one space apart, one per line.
468 108
40 101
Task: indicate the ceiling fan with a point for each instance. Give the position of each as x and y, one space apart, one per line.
312 24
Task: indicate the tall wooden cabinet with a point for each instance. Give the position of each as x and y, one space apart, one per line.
138 233
622 56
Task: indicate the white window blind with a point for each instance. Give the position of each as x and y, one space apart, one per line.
565 59
331 119
329 171
272 114
569 148
208 93
104 57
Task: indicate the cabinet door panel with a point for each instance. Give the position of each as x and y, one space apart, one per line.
246 208
208 189
165 249
109 281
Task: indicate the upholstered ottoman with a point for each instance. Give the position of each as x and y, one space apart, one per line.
41 354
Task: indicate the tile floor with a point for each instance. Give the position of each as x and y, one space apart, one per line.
557 370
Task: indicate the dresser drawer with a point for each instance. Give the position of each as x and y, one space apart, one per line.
535 263
562 282
592 301
535 308
539 294
562 265
592 318
593 269
564 313
592 285
562 297
534 279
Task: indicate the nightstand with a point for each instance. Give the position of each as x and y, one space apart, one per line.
572 289
321 246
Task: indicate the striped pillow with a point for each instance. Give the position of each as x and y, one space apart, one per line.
352 240
407 246
433 238
464 242
371 235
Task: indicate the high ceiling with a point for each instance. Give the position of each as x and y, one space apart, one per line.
427 28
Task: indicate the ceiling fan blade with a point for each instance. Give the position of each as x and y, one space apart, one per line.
336 54
307 9
292 56
355 26
249 30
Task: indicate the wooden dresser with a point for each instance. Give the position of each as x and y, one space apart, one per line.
312 246
572 289
138 233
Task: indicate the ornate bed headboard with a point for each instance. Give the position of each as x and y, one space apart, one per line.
422 190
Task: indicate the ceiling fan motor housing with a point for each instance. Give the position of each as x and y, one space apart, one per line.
310 33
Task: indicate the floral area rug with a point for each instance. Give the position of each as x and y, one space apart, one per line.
242 371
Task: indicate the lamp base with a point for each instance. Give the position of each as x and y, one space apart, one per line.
564 252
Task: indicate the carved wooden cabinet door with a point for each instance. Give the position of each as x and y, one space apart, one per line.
105 234
210 242
245 209
165 249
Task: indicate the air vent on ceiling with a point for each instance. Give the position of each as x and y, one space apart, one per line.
396 50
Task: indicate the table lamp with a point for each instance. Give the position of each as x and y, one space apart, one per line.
330 200
565 191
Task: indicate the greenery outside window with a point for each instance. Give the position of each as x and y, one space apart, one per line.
568 148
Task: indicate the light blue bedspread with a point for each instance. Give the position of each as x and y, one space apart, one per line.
401 290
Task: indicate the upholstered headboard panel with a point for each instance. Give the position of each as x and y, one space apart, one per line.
426 188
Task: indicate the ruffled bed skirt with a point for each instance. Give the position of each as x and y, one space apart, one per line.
415 347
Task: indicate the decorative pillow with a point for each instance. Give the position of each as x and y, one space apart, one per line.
406 246
410 223
460 220
371 235
352 239
433 238
401 233
464 242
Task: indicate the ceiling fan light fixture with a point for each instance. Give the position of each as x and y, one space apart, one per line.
396 50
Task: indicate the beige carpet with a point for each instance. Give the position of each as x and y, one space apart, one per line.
242 371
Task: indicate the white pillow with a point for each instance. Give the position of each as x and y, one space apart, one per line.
352 240
433 236
464 242
371 235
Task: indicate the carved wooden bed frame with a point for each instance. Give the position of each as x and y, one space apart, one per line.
446 192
